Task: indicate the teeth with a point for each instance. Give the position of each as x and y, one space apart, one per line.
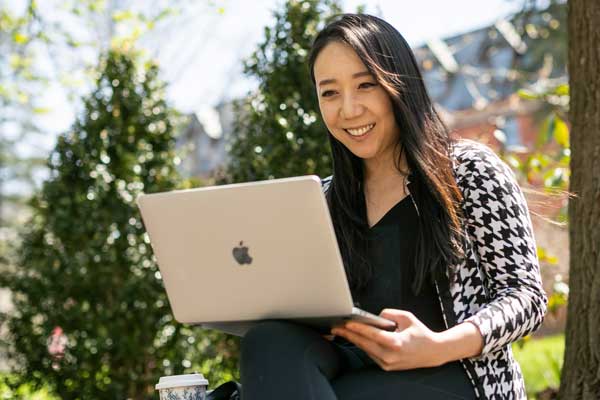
360 131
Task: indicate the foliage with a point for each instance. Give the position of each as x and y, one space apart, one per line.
541 362
278 131
44 56
548 166
542 72
10 388
85 268
18 107
542 25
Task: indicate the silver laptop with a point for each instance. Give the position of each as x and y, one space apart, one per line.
235 254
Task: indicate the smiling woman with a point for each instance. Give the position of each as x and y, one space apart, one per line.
353 104
434 233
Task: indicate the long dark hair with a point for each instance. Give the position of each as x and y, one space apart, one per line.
424 140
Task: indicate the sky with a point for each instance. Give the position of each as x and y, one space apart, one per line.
200 51
200 57
215 72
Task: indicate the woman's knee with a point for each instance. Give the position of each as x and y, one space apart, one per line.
279 338
270 334
287 345
265 342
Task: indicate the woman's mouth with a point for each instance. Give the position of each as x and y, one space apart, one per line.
360 131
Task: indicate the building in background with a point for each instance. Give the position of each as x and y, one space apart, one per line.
203 141
472 79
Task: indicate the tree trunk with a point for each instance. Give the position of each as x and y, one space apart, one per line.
581 372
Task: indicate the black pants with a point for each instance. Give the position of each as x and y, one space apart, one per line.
283 360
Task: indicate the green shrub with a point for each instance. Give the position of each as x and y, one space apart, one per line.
541 361
11 387
278 130
85 263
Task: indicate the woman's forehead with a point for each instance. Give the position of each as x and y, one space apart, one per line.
337 61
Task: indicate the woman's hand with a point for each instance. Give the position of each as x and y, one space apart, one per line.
412 345
328 337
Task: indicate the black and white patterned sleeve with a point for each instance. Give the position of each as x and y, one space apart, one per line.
499 225
325 182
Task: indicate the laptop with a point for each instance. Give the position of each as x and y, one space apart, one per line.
232 255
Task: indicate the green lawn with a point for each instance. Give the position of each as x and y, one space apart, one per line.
541 362
540 359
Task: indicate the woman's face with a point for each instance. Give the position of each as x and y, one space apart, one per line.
355 108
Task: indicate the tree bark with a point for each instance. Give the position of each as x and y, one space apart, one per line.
581 372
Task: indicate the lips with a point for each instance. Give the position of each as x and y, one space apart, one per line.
361 130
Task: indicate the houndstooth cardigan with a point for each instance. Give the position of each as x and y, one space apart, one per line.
497 286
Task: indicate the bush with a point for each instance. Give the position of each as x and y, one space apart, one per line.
278 130
91 317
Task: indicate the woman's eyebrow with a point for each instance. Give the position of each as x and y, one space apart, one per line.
356 75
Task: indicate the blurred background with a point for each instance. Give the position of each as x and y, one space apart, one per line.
103 100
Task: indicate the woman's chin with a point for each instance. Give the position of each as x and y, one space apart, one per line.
360 150
365 154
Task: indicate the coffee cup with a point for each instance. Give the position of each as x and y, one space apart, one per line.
182 387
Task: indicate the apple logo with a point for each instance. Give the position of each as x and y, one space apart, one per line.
241 254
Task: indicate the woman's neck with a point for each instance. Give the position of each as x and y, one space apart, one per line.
379 171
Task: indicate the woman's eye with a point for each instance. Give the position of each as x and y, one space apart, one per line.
364 85
367 85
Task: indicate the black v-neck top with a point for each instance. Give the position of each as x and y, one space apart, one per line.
392 251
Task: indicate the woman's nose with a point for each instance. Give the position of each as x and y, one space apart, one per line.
351 108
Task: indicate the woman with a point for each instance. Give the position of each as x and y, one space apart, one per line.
434 233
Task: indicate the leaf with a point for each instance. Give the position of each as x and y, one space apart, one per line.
41 110
20 38
562 90
553 177
165 13
556 300
97 6
564 157
527 94
561 132
552 260
541 253
73 43
119 16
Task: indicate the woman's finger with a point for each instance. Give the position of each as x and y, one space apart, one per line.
403 319
369 346
384 338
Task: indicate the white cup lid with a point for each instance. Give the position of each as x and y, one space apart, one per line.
167 382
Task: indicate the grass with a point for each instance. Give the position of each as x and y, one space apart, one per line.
541 362
540 359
